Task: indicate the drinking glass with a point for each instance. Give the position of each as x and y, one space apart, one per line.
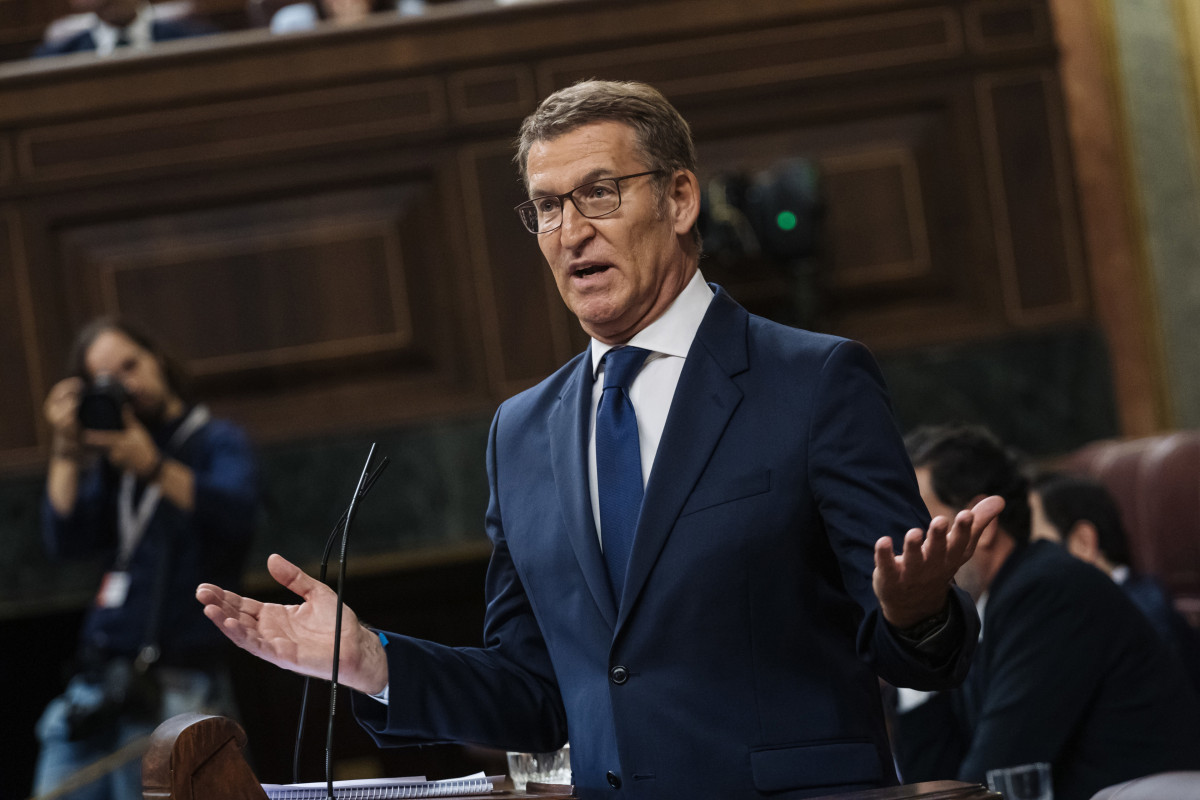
552 767
1026 782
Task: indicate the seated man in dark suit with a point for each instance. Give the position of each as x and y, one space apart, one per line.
1068 671
121 23
1081 515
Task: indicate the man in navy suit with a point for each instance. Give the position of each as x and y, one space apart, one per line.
120 23
735 650
1079 513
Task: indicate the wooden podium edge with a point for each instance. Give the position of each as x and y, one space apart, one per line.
196 757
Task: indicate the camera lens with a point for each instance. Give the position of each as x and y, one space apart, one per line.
100 404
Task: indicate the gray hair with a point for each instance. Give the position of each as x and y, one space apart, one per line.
662 137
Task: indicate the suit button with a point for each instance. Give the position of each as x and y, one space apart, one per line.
618 675
614 780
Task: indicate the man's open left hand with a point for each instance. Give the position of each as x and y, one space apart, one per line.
912 586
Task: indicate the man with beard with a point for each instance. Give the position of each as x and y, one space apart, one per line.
168 496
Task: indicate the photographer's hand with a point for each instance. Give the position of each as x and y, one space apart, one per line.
130 448
133 449
61 411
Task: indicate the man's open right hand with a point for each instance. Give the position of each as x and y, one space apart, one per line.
299 637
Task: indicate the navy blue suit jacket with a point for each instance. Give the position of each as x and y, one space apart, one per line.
742 658
1149 595
160 31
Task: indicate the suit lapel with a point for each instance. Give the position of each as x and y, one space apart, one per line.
704 401
568 428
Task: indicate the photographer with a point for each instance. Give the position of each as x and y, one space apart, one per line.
146 479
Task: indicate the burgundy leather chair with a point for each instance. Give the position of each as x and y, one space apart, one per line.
1156 483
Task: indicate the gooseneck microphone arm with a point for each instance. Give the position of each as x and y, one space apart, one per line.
340 527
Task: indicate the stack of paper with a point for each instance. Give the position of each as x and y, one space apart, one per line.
381 788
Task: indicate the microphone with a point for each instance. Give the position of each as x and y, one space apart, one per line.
342 526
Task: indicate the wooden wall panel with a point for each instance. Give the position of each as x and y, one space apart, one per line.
526 328
781 53
6 161
209 133
882 186
22 412
995 26
482 95
297 299
1033 199
344 305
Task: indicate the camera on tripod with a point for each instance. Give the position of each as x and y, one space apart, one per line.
101 403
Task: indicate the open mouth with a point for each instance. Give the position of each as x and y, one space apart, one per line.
590 270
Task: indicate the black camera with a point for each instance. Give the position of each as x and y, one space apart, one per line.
101 403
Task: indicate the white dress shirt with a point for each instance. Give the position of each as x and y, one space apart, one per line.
138 32
668 339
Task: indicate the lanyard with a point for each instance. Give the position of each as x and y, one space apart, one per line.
131 522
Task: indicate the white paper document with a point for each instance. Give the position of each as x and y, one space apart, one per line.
381 788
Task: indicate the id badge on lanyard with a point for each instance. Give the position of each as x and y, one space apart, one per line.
131 526
132 522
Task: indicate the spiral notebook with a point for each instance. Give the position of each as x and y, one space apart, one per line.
381 788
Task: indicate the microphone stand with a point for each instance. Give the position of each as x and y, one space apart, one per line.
342 526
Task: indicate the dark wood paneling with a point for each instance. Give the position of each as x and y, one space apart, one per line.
320 301
18 422
884 187
999 25
6 161
289 283
750 59
1033 201
208 133
481 95
323 223
527 330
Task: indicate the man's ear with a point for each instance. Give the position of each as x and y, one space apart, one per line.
683 195
1083 541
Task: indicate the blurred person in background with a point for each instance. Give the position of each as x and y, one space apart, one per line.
103 26
148 481
1080 514
305 16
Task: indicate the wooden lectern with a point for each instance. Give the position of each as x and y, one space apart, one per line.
199 757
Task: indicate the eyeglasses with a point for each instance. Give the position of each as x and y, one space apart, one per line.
592 200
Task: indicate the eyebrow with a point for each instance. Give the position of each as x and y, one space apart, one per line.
595 175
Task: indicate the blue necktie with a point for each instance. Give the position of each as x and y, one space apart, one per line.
618 462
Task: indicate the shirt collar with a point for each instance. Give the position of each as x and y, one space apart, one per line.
138 31
673 332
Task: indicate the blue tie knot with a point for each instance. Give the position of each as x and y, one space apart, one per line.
621 365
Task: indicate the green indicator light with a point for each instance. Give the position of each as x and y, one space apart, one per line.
786 221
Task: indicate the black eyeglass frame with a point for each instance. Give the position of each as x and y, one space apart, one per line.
562 198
